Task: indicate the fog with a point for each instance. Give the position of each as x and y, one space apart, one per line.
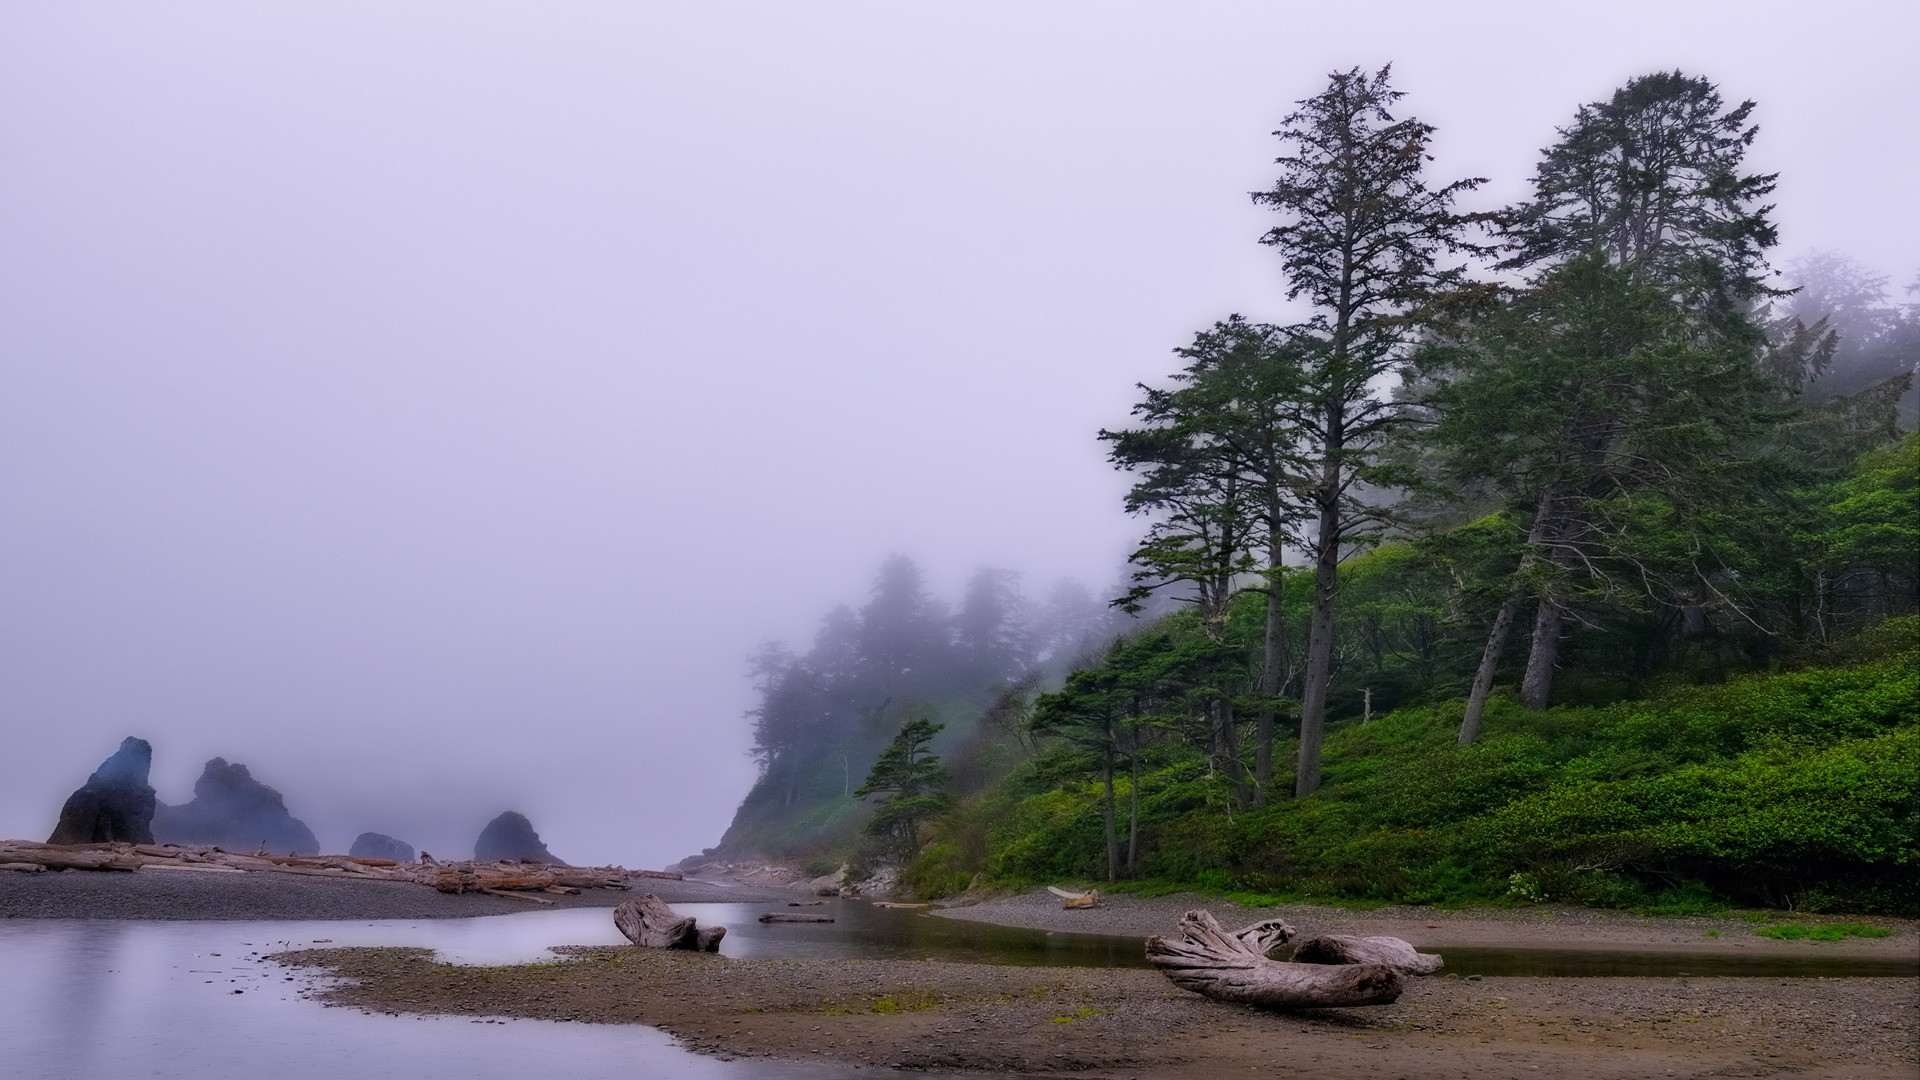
431 406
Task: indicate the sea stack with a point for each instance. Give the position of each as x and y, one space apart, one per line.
116 802
233 810
510 838
373 845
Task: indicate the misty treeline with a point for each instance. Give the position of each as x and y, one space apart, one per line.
1508 473
824 718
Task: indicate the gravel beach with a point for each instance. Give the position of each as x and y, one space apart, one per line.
1113 1023
164 894
1435 928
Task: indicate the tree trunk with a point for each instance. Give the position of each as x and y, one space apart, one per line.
1226 738
1326 582
1273 645
1536 686
1489 664
1345 949
1113 835
648 922
1133 808
1234 967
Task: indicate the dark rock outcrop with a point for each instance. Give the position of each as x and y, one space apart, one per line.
232 809
509 837
116 802
373 845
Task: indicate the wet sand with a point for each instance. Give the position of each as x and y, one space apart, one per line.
1133 1023
1107 1023
1540 927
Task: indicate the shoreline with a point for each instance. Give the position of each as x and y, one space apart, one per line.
1128 1022
1437 929
1103 1023
175 896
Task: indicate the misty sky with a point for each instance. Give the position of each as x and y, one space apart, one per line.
431 405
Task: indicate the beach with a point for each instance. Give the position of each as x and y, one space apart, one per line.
1095 1022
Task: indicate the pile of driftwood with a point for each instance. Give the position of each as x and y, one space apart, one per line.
1332 970
515 880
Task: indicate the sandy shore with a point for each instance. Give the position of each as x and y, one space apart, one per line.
1133 1023
161 894
1106 1023
1436 929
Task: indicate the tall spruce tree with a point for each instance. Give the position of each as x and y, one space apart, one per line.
1652 183
1364 242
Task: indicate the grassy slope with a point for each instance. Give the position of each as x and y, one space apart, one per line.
1794 789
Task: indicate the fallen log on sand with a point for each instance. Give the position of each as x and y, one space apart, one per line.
1346 949
1234 967
793 916
648 922
1071 901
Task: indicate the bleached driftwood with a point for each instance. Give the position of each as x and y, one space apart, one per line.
1073 900
1347 949
793 916
648 922
498 878
1234 967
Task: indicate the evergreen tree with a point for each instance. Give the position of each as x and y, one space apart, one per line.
1362 244
905 781
1650 184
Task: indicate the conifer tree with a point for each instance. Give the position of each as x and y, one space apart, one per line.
1363 243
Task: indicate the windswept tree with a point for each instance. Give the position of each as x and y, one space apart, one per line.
1645 239
1365 242
906 782
1228 425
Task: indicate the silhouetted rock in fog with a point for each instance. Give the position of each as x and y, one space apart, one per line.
373 845
116 802
511 836
232 809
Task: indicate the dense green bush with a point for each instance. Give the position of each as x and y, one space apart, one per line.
1789 788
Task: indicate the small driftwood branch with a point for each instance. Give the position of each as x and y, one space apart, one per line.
793 916
1346 949
648 922
1234 967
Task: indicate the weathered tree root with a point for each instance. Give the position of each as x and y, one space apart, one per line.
648 922
1234 967
1346 949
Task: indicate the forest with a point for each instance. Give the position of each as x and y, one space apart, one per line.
1563 551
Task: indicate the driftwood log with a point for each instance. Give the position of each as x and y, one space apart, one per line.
1346 949
648 922
494 878
793 916
1234 967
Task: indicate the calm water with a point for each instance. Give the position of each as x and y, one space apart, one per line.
169 1000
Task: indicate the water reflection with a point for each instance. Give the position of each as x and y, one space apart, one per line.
191 1000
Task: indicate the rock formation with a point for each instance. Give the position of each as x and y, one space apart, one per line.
116 802
373 845
233 810
509 837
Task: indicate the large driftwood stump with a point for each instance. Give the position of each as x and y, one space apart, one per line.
1345 949
1234 967
648 922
